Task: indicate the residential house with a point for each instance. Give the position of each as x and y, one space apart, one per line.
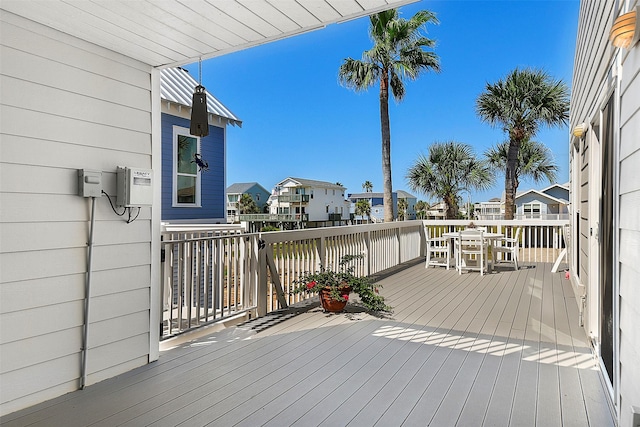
192 192
604 242
411 200
81 91
437 211
551 202
491 209
254 190
376 201
308 203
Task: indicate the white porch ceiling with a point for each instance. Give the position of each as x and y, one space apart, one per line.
177 32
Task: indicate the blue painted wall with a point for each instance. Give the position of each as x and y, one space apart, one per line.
212 185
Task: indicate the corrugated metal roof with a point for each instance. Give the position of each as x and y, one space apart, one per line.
176 85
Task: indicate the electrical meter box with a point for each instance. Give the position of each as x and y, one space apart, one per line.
135 187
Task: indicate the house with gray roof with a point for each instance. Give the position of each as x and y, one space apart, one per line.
235 191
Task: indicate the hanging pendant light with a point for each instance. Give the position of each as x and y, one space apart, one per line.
199 113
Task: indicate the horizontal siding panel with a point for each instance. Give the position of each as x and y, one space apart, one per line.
62 208
117 353
40 264
630 248
629 208
121 256
118 280
25 66
629 134
111 330
629 176
120 304
45 42
31 294
39 321
27 95
19 237
32 351
38 378
72 143
113 371
18 266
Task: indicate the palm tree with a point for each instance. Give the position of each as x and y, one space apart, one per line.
521 103
449 168
246 205
363 208
397 53
402 209
421 209
367 186
535 161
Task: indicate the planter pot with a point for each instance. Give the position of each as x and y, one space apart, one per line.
330 304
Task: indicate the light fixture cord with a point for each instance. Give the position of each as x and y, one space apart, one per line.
200 71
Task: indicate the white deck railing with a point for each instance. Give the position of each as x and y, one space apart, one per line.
212 275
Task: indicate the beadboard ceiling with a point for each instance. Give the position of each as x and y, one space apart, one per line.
176 32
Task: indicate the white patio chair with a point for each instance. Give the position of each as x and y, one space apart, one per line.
472 251
438 251
508 245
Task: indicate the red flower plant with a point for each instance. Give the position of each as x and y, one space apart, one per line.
310 285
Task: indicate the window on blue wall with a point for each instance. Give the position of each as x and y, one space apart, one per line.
186 177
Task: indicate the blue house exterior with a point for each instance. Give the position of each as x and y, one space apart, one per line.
191 193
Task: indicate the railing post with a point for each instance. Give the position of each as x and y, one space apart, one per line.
262 278
322 251
367 246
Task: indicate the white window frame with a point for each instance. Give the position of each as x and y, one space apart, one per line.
178 130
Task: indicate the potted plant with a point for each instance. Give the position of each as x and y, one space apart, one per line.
334 287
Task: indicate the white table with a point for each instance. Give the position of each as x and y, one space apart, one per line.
491 237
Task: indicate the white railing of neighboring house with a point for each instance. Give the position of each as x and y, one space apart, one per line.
212 275
520 217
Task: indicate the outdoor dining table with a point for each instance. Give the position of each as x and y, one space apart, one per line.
491 237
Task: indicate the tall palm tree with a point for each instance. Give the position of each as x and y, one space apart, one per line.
449 168
535 161
521 103
363 208
367 186
397 53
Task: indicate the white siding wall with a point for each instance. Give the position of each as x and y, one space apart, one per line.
68 105
629 263
595 68
317 208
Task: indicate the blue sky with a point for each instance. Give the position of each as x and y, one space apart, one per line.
298 121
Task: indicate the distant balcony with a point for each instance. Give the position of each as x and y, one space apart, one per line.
335 217
294 198
274 217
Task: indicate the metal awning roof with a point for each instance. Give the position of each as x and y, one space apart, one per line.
165 33
176 85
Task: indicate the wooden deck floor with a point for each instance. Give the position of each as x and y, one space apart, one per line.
503 349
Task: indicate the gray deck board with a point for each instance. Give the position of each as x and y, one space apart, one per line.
459 350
